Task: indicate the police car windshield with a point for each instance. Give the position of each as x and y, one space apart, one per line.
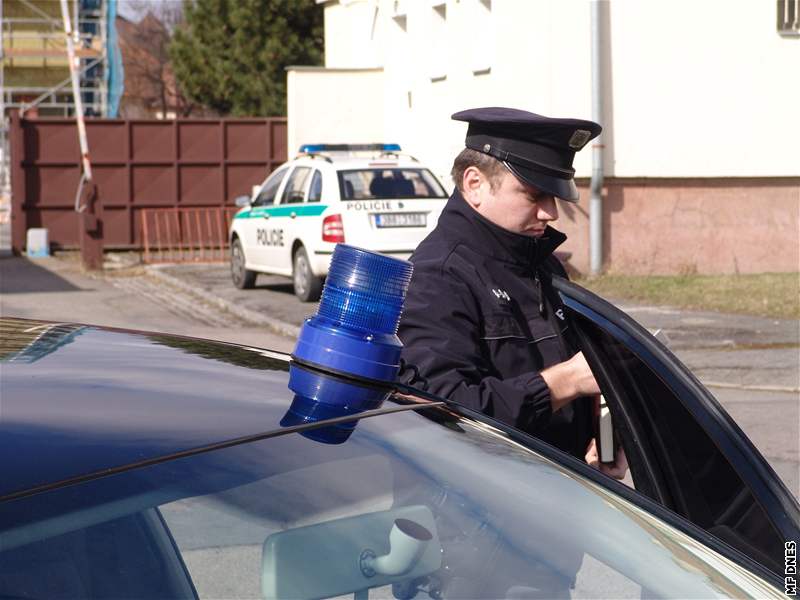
386 183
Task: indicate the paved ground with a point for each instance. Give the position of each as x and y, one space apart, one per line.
57 290
731 350
751 364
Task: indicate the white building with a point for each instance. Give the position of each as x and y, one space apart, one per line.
701 110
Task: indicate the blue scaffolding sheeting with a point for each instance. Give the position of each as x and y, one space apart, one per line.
115 75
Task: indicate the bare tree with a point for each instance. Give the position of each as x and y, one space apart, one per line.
149 78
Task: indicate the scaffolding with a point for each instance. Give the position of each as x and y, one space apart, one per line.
34 68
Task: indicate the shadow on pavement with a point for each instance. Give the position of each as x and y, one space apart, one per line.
283 288
20 275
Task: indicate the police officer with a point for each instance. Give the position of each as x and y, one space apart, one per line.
482 322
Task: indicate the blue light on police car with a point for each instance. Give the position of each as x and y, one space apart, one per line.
355 329
319 397
316 148
353 334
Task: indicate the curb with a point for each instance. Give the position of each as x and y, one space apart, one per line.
752 388
251 316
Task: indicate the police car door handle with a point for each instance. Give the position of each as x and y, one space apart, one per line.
292 214
265 215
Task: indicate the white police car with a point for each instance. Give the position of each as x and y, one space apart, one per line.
368 195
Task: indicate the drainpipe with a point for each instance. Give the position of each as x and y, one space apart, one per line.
596 191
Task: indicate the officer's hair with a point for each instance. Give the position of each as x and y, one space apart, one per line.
492 168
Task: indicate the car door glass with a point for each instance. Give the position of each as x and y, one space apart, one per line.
290 517
674 459
315 191
267 194
294 192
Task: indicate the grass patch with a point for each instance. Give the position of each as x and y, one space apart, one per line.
765 294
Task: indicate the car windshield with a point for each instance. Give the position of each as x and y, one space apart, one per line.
387 183
420 503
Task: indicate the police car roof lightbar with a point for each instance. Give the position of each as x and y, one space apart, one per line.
315 148
355 329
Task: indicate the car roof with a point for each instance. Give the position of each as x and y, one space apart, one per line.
82 399
342 161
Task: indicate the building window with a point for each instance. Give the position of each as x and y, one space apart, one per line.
438 37
789 17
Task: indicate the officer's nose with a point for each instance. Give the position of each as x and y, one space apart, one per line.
548 211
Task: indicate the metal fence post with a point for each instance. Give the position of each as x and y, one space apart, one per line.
19 217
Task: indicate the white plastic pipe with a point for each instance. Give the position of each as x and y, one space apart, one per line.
596 196
76 92
407 542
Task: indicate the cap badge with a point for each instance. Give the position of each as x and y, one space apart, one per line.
579 138
487 147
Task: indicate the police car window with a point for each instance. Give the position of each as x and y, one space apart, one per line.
267 194
294 191
288 516
387 183
315 192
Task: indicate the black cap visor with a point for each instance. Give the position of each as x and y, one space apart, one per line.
558 187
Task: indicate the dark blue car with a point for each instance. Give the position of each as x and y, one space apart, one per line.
143 465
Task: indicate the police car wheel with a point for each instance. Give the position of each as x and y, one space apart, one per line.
307 286
243 278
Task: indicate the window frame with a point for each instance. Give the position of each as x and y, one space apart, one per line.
279 174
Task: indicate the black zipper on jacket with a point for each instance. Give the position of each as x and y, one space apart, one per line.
540 291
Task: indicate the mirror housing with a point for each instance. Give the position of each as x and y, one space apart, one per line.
242 201
327 559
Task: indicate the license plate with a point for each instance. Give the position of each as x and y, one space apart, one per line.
401 220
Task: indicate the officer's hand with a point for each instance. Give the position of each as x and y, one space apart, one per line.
585 383
569 380
617 469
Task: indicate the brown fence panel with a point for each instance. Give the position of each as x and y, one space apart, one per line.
138 165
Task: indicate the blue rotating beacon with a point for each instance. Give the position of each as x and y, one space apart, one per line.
348 352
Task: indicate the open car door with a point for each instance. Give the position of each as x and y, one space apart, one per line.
685 452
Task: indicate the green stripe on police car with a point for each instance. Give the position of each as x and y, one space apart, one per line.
300 210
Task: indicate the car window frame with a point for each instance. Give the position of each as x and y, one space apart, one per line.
316 174
341 173
767 489
288 180
280 173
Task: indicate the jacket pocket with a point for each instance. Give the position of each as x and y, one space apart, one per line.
503 325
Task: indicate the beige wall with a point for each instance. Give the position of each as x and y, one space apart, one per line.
696 89
701 133
334 106
703 89
663 226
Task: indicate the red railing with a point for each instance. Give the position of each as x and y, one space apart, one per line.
186 234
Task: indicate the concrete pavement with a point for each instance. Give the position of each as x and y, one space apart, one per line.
738 351
751 364
56 289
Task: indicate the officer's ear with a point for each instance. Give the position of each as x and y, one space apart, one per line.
471 184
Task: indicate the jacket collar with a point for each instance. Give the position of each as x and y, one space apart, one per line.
465 223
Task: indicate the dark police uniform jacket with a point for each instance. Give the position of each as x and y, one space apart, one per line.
481 320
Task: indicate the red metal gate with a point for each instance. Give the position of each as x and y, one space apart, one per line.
186 234
138 166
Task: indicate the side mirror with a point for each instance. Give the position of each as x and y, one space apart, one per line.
242 201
